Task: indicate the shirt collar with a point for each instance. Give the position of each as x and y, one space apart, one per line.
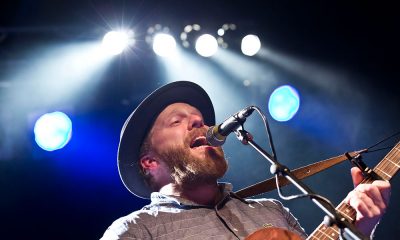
158 198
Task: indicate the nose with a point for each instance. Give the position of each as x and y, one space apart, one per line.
195 121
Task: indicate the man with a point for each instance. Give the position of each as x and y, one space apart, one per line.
163 153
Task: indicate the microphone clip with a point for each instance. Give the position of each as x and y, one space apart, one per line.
216 135
243 136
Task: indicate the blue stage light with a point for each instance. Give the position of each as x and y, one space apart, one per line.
53 131
284 103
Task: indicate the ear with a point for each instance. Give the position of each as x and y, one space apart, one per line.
148 162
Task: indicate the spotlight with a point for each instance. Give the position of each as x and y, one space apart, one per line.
250 45
206 45
227 28
284 103
187 34
115 42
161 40
53 131
164 45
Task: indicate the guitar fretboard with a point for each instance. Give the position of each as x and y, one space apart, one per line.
386 169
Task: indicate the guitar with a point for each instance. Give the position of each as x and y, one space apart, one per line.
385 169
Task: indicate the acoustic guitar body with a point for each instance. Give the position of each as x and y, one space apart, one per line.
273 233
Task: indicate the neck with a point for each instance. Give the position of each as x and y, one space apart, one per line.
204 194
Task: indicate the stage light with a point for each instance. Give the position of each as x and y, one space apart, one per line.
250 45
284 103
164 45
206 45
225 29
188 32
53 131
114 42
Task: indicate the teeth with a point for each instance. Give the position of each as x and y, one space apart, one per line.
198 141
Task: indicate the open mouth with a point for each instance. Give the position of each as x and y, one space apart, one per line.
199 142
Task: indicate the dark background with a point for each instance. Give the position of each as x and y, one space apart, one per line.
342 57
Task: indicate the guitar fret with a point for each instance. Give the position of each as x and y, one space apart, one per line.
396 154
380 170
392 155
348 210
325 234
387 168
347 216
393 163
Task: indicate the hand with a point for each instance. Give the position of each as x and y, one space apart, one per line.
369 200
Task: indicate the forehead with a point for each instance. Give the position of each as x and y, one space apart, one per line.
170 111
177 108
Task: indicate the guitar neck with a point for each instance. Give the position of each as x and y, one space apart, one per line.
386 169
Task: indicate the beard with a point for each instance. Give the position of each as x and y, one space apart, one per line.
188 170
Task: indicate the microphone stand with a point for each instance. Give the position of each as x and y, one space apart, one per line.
333 217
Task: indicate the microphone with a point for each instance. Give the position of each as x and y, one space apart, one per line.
216 135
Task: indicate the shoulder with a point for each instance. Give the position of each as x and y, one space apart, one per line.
131 226
272 204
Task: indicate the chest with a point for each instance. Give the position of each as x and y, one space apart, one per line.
232 221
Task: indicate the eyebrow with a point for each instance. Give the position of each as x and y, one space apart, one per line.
178 111
172 113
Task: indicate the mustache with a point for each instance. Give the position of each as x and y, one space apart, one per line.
195 132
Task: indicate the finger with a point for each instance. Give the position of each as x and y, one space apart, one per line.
363 205
373 193
385 190
356 175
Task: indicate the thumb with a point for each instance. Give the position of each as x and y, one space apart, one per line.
356 175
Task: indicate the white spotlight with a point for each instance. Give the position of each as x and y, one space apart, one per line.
250 45
206 45
115 42
164 45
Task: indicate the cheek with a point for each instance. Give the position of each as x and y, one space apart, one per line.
167 139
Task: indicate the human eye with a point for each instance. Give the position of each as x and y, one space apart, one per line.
175 121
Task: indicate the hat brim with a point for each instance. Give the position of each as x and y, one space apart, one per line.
142 119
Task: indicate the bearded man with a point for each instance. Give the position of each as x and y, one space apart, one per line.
163 155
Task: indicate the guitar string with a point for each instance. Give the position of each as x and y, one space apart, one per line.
389 165
322 229
325 234
381 167
386 166
396 153
391 169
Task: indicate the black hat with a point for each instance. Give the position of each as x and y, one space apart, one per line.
142 119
